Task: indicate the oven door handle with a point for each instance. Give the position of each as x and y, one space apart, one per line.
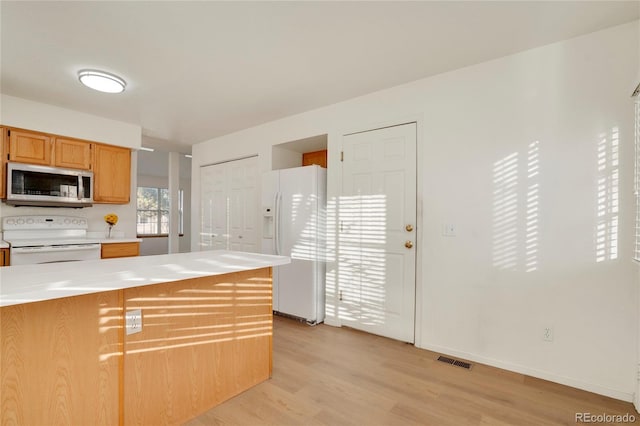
56 249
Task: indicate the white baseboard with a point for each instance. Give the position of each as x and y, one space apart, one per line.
332 321
545 375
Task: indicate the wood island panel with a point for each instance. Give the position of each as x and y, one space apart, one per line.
61 361
68 361
203 340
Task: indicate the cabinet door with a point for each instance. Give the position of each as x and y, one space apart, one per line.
4 257
111 174
111 250
3 162
316 157
72 153
29 147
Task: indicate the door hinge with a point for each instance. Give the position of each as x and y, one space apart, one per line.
340 295
341 155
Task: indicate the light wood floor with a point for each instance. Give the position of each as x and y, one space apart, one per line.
337 376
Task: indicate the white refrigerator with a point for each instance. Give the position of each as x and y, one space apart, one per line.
293 214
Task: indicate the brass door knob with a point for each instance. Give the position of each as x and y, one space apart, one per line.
409 228
408 244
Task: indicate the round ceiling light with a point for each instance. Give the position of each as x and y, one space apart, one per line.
102 81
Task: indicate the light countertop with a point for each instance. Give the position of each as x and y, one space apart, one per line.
33 283
4 244
120 240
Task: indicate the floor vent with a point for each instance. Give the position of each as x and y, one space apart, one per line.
455 362
445 359
462 364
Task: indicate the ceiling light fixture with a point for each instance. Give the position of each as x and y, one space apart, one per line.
102 81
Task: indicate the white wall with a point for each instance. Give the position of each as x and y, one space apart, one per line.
553 108
26 114
31 115
153 246
282 158
637 375
636 400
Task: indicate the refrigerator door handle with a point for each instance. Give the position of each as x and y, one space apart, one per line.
276 223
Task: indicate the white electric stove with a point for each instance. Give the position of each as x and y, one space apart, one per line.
48 239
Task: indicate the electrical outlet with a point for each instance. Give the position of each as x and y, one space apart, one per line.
133 320
547 334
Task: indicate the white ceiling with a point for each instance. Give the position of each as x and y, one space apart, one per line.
197 70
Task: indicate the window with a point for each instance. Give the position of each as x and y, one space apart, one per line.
153 211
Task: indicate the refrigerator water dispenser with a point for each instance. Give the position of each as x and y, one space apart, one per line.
267 222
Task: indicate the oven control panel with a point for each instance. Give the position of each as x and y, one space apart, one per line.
43 222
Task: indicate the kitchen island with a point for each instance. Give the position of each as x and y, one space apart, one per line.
67 356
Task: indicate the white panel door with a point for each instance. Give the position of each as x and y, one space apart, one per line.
377 214
243 204
229 205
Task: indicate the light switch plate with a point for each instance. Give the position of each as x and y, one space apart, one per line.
133 320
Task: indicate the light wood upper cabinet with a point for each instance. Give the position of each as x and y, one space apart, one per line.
3 162
29 147
111 165
316 157
72 153
112 174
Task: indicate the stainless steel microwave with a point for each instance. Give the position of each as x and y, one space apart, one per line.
33 185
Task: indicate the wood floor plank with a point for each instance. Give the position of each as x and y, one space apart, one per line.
337 376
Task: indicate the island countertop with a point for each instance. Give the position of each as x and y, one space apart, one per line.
34 283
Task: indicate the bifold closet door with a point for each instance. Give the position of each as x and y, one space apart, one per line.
229 205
